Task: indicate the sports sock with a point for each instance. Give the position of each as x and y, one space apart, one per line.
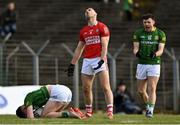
151 107
110 108
147 106
89 108
64 114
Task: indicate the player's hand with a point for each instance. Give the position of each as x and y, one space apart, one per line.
70 70
100 63
153 55
138 54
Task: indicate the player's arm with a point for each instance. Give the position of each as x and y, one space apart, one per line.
135 47
30 112
160 49
161 45
104 43
136 44
78 52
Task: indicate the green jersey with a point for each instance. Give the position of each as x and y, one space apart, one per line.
37 98
148 43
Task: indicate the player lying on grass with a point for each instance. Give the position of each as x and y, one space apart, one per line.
49 101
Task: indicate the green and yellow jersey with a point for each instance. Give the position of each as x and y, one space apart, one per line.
37 98
148 43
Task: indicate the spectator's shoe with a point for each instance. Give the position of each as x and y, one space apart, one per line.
110 115
149 114
76 112
89 114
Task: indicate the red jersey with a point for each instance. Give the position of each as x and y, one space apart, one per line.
91 36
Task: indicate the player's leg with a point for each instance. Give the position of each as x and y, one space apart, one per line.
104 80
142 87
53 109
141 75
87 77
87 82
153 78
152 85
59 99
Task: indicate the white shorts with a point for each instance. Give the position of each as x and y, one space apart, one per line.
89 64
60 93
147 70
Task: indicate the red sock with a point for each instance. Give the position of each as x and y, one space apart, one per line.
89 110
110 108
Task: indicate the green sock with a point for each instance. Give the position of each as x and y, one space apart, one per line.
151 105
65 114
147 106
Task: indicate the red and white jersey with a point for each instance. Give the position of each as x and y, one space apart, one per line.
91 36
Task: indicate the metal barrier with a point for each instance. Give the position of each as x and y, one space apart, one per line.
51 69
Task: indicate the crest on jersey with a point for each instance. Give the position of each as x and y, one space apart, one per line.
97 30
156 38
149 37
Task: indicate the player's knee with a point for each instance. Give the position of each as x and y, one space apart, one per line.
152 89
141 92
106 89
86 90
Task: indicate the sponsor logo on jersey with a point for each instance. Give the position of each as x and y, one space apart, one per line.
149 42
92 40
142 37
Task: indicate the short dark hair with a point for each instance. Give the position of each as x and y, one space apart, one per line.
20 113
147 16
121 82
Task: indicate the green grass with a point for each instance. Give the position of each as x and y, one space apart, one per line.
97 118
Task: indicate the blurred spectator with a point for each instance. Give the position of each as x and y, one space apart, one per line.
128 9
123 101
8 20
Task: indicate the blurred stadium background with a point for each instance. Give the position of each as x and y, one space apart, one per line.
51 29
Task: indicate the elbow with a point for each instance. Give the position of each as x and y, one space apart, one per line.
159 53
135 51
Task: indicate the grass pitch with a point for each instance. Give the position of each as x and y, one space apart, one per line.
98 118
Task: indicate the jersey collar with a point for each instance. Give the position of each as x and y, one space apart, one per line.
94 24
153 29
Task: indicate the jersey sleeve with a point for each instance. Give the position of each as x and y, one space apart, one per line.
162 37
104 31
136 37
28 100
